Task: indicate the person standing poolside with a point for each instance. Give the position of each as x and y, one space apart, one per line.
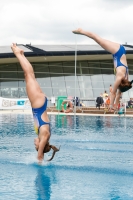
105 94
110 89
107 103
120 65
38 102
99 101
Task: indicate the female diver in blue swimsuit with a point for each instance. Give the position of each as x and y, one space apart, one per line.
120 65
39 105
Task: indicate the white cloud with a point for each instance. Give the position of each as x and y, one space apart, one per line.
51 22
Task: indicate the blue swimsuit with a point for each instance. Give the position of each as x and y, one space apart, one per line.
37 113
117 56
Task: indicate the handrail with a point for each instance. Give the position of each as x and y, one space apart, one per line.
85 108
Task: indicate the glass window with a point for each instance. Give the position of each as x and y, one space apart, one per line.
97 92
42 75
56 77
94 65
85 84
87 93
55 64
9 83
108 78
9 92
84 71
21 84
70 70
40 67
21 75
83 93
71 92
44 82
95 71
59 92
19 68
14 93
107 64
107 84
127 95
78 71
69 64
107 71
83 64
22 92
84 78
8 75
69 78
130 66
71 84
56 69
58 83
8 67
130 93
130 72
48 91
6 92
98 84
130 62
130 76
96 78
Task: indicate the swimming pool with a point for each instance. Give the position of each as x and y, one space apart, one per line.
95 161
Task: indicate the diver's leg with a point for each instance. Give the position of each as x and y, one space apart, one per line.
115 87
109 46
34 91
117 99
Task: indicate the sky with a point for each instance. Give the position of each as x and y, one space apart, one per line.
43 22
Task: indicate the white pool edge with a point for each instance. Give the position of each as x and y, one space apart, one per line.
58 113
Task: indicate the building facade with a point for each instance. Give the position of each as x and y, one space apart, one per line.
54 67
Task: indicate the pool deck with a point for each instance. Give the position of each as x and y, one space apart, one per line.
60 113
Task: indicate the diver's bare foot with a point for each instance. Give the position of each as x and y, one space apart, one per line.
112 109
78 31
16 50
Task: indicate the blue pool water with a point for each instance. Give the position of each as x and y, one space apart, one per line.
95 161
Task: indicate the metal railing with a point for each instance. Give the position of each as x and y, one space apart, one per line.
89 106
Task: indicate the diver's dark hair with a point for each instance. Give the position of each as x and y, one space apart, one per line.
125 85
48 147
